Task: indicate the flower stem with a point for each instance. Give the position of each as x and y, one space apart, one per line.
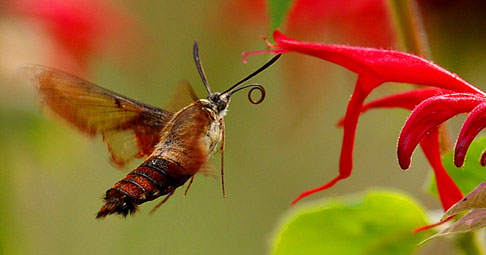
410 30
413 38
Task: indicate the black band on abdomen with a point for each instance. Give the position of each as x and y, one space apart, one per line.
155 183
134 183
151 164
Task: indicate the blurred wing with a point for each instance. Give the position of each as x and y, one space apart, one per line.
183 96
129 128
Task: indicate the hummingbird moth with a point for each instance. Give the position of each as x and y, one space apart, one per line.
176 145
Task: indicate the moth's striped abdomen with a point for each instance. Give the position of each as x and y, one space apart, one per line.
156 177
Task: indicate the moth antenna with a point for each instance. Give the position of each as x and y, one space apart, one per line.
199 67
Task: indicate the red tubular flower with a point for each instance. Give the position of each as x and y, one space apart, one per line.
407 100
376 66
364 22
449 193
427 116
475 122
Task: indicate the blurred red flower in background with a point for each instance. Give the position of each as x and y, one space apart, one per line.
78 29
365 23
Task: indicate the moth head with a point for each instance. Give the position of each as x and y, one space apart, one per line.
220 100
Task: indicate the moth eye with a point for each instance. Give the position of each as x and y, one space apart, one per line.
221 105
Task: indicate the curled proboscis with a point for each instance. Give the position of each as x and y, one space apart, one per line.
262 94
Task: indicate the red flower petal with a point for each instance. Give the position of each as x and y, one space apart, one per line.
383 65
407 100
432 225
428 115
449 193
323 187
474 123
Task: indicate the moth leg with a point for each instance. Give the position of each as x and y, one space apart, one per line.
222 158
189 185
161 202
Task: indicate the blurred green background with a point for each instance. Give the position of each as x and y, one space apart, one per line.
52 178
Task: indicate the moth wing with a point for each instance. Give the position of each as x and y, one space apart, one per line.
129 128
209 169
183 95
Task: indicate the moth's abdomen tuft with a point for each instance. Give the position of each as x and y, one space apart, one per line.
117 202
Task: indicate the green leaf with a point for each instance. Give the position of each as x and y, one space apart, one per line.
278 11
471 174
374 223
